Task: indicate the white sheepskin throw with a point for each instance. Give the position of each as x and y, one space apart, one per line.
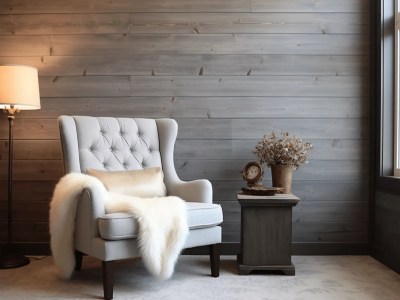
162 223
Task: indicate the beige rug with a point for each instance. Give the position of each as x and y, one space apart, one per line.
317 277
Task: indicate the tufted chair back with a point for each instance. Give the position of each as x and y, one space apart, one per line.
112 144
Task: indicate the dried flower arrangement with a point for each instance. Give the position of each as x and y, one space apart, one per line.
282 149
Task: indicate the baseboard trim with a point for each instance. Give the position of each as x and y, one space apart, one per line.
330 249
297 249
234 248
32 248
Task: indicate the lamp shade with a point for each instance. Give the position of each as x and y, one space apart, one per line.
19 86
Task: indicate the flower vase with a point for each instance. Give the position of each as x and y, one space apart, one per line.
282 177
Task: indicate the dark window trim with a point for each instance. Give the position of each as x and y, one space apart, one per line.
384 105
389 184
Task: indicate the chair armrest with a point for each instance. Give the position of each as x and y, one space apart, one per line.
90 208
192 191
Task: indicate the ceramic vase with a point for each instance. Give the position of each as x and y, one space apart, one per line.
282 177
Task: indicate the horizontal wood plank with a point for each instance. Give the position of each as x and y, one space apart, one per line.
27 232
39 170
33 24
282 86
313 86
310 6
122 44
33 170
317 23
25 45
85 86
195 65
32 191
306 190
311 232
30 129
32 149
250 129
247 129
312 211
79 6
330 232
331 211
26 211
199 149
243 149
206 107
316 170
223 190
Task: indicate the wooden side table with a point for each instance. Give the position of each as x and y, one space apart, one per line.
266 233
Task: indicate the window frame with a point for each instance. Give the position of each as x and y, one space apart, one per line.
382 78
396 123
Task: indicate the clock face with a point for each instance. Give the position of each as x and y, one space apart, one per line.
253 172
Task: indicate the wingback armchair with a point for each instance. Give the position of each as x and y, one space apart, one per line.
117 144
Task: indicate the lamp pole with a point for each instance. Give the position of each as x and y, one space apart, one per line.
10 175
10 257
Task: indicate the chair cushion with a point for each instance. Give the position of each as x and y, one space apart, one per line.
120 226
202 215
146 183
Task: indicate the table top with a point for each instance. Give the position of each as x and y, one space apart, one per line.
241 195
276 199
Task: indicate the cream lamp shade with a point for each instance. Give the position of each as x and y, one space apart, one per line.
19 86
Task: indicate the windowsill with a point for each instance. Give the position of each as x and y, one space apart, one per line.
390 184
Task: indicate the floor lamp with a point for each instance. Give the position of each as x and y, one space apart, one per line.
19 90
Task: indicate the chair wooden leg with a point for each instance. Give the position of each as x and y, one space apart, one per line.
78 260
215 259
108 279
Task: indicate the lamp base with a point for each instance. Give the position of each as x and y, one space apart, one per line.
10 258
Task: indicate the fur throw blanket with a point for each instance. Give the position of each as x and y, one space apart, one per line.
162 223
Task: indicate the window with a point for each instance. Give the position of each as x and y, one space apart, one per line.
397 93
386 78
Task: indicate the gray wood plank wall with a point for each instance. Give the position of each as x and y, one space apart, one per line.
227 71
386 239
